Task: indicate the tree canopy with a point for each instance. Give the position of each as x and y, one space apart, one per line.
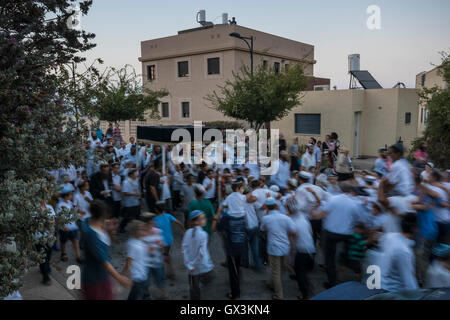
266 96
37 133
437 131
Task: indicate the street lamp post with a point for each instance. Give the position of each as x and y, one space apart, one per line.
250 46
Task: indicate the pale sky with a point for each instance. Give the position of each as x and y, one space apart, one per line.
411 35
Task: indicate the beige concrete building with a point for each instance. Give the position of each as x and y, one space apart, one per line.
365 120
195 62
427 79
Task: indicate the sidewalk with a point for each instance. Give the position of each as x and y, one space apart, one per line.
33 289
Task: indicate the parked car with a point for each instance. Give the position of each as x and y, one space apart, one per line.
353 290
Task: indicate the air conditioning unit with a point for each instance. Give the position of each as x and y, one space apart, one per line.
322 87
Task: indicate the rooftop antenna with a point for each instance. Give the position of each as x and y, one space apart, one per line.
201 18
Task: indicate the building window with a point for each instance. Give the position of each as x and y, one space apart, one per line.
307 123
421 115
407 117
151 72
214 66
265 64
185 109
422 81
276 67
183 69
165 109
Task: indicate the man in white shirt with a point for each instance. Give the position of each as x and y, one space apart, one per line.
397 263
278 227
209 183
304 258
317 153
281 177
340 214
116 192
400 176
307 200
308 159
94 140
132 143
123 151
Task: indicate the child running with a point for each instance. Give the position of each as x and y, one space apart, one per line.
164 222
196 255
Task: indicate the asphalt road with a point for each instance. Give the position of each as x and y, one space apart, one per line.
253 284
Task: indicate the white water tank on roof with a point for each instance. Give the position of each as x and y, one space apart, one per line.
201 16
353 62
224 18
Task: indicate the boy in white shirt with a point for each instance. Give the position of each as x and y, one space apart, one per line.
155 242
196 255
70 230
137 257
209 183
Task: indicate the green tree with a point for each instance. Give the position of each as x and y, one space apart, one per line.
266 96
120 95
437 131
37 132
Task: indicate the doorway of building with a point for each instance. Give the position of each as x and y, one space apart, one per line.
356 146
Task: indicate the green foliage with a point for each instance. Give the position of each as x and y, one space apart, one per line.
437 131
224 125
121 96
37 132
263 97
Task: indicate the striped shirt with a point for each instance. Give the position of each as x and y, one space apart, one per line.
356 247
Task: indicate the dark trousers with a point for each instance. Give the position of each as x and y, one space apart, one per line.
176 199
116 205
316 226
252 244
194 284
294 164
443 231
151 203
137 290
331 241
129 213
263 247
45 266
304 263
234 272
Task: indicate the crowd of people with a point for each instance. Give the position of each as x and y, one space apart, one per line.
395 216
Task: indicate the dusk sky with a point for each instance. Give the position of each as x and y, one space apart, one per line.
411 35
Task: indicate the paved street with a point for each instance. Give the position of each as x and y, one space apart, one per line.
253 284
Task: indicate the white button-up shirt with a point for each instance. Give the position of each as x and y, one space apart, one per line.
342 214
211 192
283 174
304 241
195 251
401 176
397 263
278 226
305 199
309 160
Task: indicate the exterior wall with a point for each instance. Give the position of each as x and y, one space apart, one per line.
432 78
408 101
335 108
379 120
196 46
381 123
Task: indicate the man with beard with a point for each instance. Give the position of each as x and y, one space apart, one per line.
102 185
